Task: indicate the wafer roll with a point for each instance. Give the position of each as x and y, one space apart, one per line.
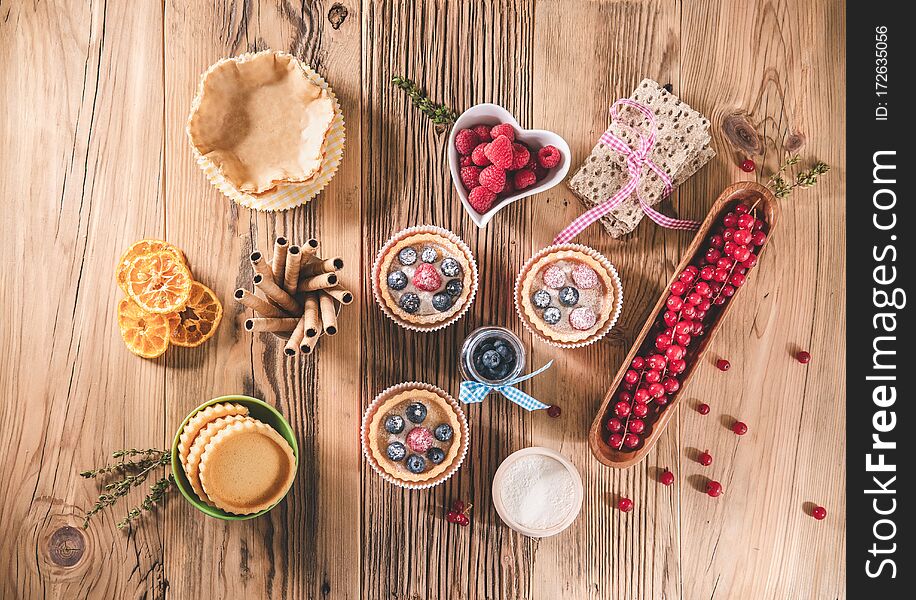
273 325
278 264
309 249
260 265
341 295
308 344
310 316
320 266
318 282
328 309
295 339
291 275
276 295
258 304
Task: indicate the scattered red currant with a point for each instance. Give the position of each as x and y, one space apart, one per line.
748 165
819 513
739 428
459 514
714 488
723 365
666 478
803 357
554 411
625 504
703 409
705 458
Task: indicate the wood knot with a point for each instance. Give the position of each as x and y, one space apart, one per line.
795 141
741 134
66 546
337 15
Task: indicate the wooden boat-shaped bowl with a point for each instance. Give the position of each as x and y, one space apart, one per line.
746 191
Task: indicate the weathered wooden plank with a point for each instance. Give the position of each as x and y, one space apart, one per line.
782 67
606 553
82 128
462 53
307 547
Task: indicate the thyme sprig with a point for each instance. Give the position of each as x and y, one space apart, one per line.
134 467
803 179
439 114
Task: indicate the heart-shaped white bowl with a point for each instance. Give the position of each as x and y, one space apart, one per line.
493 114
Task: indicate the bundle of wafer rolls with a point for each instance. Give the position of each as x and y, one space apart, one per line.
296 295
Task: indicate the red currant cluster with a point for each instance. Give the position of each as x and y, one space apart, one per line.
696 299
460 513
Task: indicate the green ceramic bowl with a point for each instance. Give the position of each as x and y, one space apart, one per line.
257 409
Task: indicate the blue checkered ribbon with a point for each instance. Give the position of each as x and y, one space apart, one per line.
475 391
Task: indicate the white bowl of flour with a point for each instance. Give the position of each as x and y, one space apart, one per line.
537 492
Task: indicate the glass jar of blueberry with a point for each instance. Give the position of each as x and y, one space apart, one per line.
492 355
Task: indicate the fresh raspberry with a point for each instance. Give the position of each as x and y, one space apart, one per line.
466 161
510 186
549 157
483 132
465 141
540 172
524 178
499 151
481 199
493 178
503 129
479 155
520 156
426 278
470 177
420 439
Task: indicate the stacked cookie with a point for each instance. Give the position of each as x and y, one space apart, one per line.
235 462
681 148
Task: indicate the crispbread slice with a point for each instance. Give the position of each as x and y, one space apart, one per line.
192 468
200 420
247 467
625 218
682 138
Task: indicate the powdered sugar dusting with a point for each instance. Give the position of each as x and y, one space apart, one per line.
538 492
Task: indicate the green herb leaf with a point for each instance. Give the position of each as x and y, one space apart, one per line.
437 113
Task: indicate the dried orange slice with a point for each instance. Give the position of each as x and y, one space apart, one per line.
158 282
146 334
138 249
198 321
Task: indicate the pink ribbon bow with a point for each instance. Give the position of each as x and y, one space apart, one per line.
637 160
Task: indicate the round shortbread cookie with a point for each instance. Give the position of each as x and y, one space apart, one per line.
201 420
192 468
227 467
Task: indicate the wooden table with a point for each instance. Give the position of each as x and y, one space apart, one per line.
92 122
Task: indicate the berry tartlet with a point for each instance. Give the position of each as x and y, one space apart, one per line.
414 435
424 278
568 295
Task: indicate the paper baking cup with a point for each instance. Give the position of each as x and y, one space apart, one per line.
414 385
618 294
284 196
377 281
